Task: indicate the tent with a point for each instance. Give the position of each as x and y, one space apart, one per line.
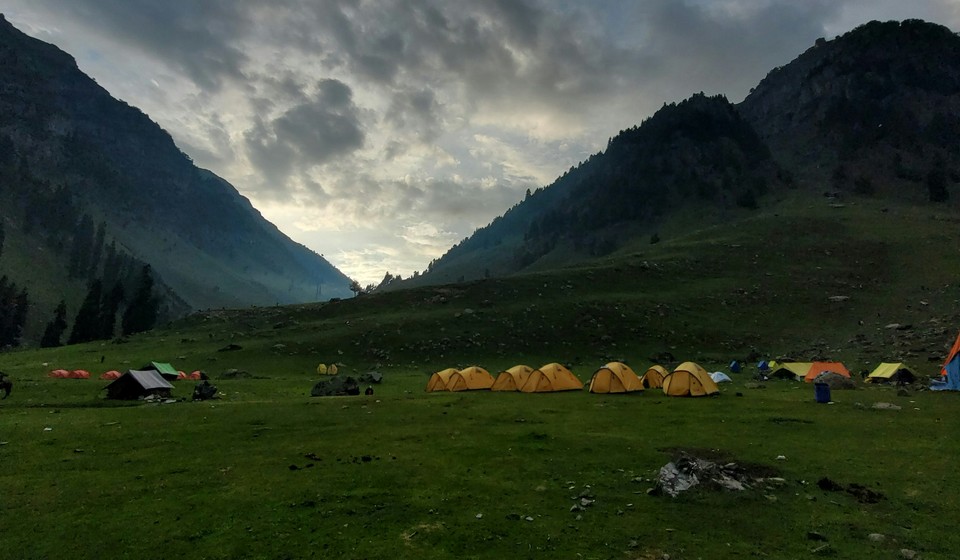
888 372
138 383
79 374
371 377
468 379
689 380
720 377
438 381
549 378
335 386
110 375
197 375
166 370
512 379
950 371
791 370
59 374
182 375
653 378
735 366
615 377
819 367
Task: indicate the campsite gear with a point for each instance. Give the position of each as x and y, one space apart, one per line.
550 378
689 380
59 374
166 370
79 374
794 371
888 372
110 375
468 379
371 377
835 380
720 377
735 366
653 377
512 379
763 365
336 386
950 371
138 383
204 391
819 367
369 390
821 392
615 377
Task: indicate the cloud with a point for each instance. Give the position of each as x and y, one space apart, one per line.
325 126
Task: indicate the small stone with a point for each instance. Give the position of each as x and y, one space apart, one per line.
876 537
479 516
528 518
908 554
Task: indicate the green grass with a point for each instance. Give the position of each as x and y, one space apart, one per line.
268 472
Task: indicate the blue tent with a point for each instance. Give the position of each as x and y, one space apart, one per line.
951 369
735 366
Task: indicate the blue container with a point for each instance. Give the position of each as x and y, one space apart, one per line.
821 392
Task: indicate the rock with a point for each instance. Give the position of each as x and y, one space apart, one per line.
876 537
479 516
815 536
838 298
908 554
822 550
528 518
885 406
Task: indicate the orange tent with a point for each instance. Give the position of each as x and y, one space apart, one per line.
59 373
181 375
950 356
819 367
111 375
79 374
195 375
512 379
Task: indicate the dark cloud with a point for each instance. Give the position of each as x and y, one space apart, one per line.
325 126
198 38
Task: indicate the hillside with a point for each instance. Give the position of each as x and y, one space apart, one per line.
82 172
873 113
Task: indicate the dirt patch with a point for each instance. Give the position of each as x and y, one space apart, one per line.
860 492
755 470
713 470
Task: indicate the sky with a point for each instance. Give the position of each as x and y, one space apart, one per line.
381 133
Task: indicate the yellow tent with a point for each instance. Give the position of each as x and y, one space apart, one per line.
512 379
322 369
791 370
551 377
470 379
615 377
439 380
887 372
467 379
653 378
689 380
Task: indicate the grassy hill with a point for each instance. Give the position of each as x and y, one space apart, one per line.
268 471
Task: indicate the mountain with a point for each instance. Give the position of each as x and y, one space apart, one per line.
874 112
84 177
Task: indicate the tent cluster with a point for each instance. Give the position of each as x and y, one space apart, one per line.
69 374
806 371
688 379
324 369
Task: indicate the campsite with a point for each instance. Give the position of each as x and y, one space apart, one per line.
266 470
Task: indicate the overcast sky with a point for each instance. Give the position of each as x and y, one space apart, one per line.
380 133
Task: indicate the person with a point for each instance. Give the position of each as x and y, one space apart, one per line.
369 390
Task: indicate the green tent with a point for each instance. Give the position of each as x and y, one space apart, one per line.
166 370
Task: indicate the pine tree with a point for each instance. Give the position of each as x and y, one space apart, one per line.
86 326
108 311
55 328
141 314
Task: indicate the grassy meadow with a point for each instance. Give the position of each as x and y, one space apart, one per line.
267 471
